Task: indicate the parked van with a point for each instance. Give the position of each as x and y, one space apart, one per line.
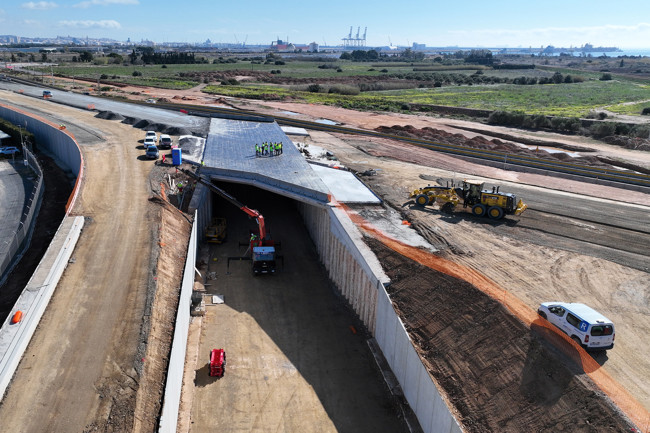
583 324
165 141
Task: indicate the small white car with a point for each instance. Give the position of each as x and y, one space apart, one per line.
583 324
152 135
149 142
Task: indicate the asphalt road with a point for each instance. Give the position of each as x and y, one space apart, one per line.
16 185
197 125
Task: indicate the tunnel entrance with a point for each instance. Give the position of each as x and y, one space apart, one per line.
292 358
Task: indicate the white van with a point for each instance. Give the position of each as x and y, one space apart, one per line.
583 324
165 141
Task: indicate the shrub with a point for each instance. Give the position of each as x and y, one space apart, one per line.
339 70
600 130
164 66
605 77
646 111
342 89
314 88
136 73
103 77
640 131
279 62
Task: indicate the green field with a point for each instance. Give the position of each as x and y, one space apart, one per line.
621 94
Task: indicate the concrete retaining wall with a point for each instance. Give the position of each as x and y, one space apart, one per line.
359 277
349 262
418 386
174 384
34 299
22 237
57 142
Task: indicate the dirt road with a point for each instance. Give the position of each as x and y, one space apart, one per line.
79 368
294 363
530 263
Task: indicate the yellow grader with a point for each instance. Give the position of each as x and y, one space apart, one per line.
493 204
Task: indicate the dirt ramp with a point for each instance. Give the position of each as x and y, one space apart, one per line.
499 375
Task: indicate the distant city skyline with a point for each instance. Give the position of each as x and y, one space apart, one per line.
471 23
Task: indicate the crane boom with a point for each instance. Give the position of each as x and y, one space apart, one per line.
248 211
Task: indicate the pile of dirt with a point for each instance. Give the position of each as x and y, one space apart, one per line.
145 124
174 232
130 120
634 143
497 374
480 142
109 115
177 131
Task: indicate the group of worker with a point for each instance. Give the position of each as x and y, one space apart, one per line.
268 148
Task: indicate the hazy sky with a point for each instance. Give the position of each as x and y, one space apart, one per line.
621 23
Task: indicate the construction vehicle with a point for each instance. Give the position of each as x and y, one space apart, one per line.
216 231
493 204
217 362
260 245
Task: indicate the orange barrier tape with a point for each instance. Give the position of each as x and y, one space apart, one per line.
638 414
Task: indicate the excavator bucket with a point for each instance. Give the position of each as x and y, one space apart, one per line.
521 207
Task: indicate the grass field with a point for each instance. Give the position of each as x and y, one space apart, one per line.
621 95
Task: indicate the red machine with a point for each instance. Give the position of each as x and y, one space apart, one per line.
261 246
217 362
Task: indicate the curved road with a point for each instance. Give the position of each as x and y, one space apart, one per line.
86 343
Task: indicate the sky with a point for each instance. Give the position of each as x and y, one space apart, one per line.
469 23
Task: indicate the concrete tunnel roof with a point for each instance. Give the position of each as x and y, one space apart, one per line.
229 155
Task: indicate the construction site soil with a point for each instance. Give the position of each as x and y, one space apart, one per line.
497 373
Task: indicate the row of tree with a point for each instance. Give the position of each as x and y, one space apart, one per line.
149 56
519 119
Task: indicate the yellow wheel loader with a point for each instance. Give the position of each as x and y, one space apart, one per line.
493 204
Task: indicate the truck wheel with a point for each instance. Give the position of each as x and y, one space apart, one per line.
422 200
495 213
478 209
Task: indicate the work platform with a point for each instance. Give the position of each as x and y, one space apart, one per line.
230 156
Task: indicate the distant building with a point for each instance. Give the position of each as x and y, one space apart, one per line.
282 46
9 39
313 47
419 47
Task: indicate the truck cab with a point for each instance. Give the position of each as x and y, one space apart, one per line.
263 260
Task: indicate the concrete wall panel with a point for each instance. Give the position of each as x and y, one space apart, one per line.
172 397
58 142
